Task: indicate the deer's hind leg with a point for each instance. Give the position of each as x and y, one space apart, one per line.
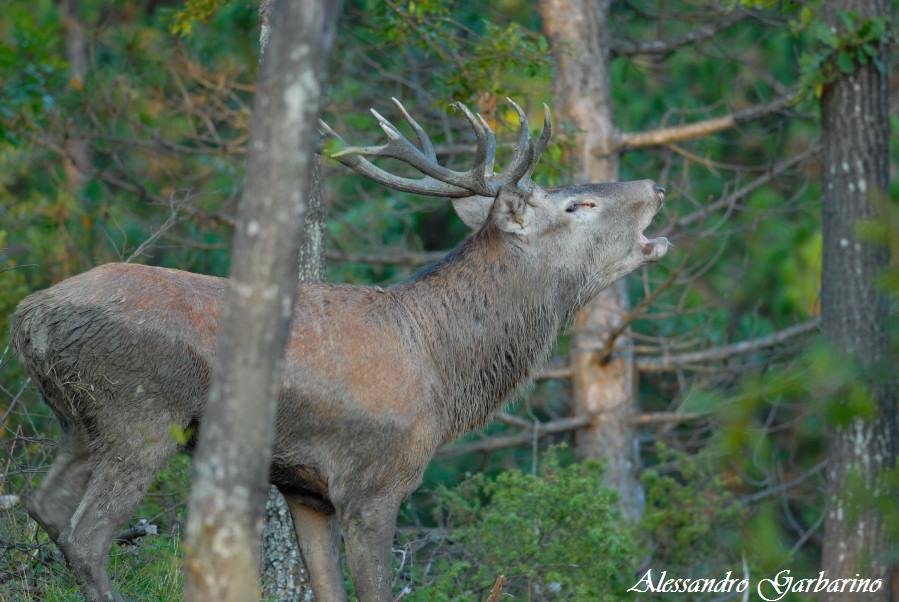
52 504
123 465
319 539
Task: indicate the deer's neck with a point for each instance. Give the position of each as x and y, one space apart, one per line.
487 317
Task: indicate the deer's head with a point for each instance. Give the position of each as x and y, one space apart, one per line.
594 232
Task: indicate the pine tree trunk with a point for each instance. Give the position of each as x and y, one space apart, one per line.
855 115
230 474
579 33
284 574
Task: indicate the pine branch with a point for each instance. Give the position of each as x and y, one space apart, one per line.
699 129
714 354
562 425
503 441
663 48
730 199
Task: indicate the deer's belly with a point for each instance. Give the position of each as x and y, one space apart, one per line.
304 483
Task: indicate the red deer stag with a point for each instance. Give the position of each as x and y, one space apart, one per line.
375 380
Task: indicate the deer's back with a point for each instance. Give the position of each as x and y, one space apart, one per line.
123 333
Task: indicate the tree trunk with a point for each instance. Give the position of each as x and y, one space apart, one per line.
230 474
284 574
578 31
855 115
77 160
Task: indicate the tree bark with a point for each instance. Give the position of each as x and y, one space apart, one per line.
856 132
284 574
77 160
234 450
580 37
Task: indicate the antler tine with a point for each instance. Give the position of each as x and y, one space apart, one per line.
426 186
427 148
481 158
547 132
351 157
523 155
439 180
400 148
542 142
491 146
327 130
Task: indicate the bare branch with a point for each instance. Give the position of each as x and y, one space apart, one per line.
635 313
732 198
141 529
685 360
501 442
778 489
689 131
546 428
557 369
651 418
514 421
166 225
665 47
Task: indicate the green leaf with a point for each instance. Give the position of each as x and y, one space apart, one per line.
182 436
845 62
806 15
848 18
819 89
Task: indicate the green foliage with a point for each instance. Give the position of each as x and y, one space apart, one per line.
475 55
830 50
12 284
194 11
689 506
30 70
556 534
839 51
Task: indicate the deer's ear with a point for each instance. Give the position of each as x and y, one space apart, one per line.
511 211
473 210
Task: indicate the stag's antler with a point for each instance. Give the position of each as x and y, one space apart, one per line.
439 180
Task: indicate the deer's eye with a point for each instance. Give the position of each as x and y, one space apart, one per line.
579 204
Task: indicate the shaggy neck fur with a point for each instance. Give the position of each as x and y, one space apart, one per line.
487 318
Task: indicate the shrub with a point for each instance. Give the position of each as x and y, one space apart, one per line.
555 535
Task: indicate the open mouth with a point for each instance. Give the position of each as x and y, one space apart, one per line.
653 248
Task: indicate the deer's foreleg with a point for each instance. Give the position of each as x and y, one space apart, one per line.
368 529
